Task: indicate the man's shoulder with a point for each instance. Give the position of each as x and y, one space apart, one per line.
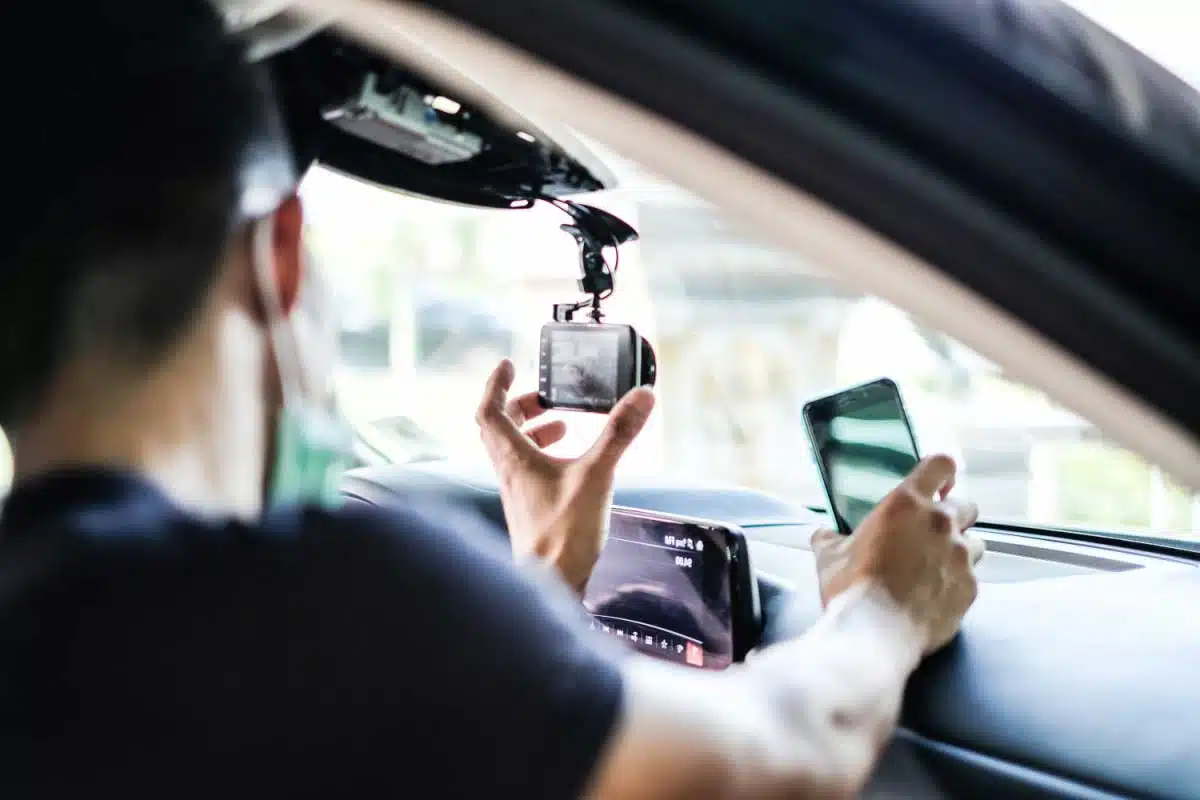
414 531
139 546
339 632
104 514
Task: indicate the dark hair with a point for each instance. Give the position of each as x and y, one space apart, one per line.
131 124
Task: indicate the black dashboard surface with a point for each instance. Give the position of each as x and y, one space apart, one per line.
1082 685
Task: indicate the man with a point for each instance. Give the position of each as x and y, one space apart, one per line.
161 635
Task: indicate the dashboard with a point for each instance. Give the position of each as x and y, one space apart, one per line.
1074 676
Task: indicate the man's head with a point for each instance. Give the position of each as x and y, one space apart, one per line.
129 262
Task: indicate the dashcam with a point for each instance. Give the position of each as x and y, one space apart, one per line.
590 366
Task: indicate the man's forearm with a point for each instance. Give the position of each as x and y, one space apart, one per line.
834 694
805 718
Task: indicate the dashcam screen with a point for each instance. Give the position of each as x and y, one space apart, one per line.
585 367
664 587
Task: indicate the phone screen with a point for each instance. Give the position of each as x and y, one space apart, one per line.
864 446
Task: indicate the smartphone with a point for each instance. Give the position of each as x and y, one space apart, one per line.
864 447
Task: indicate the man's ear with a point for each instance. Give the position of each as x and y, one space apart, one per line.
287 250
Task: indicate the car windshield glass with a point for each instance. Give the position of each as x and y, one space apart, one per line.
434 295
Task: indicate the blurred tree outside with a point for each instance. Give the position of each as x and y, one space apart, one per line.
1104 487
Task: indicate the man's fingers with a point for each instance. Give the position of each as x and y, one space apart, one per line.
523 408
932 475
976 546
962 512
831 553
495 391
625 422
547 433
824 538
500 435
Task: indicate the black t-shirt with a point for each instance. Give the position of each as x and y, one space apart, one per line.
146 652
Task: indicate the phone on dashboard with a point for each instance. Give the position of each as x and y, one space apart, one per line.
864 447
676 588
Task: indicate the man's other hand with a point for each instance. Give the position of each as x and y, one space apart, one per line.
913 545
557 509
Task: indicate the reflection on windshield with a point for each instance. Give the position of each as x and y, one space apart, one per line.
433 295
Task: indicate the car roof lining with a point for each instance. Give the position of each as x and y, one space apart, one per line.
844 247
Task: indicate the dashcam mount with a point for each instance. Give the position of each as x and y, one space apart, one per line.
593 230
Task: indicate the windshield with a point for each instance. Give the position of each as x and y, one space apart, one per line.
433 295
